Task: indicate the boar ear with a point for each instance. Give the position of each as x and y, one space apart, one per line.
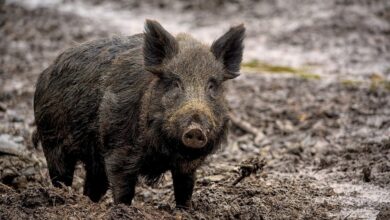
158 44
228 49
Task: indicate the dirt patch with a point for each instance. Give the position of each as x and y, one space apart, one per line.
275 197
49 203
43 203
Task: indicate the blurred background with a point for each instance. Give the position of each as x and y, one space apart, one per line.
313 101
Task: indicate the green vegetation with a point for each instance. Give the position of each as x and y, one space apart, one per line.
255 66
377 81
374 82
263 67
351 83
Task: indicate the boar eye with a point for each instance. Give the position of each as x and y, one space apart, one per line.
171 83
176 85
212 88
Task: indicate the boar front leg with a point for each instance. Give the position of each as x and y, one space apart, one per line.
183 184
122 175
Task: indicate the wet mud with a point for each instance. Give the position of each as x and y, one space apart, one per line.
320 126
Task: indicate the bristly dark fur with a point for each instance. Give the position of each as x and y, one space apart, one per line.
158 44
122 105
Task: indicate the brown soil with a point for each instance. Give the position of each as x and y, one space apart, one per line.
325 141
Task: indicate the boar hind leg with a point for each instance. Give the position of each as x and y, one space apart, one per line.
183 185
61 166
96 183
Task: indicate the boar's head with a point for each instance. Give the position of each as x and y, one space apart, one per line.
187 104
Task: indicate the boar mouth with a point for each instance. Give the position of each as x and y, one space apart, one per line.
194 136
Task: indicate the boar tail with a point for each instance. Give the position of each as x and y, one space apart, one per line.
35 139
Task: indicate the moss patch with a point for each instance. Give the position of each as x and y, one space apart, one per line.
374 82
263 67
377 81
351 83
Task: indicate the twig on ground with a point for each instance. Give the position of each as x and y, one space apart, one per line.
249 167
246 126
6 149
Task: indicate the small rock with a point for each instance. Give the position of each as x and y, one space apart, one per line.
7 172
14 117
3 107
29 171
223 166
214 178
18 139
10 145
146 195
285 126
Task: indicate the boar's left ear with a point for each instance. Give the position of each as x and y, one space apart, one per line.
228 49
159 44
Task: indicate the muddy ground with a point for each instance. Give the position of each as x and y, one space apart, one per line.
313 104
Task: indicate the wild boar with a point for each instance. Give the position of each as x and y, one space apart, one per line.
136 106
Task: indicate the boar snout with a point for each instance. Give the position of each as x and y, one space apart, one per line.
194 136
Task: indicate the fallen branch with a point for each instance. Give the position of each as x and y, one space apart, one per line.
21 154
11 150
246 126
249 167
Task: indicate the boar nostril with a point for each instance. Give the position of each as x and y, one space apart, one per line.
194 138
